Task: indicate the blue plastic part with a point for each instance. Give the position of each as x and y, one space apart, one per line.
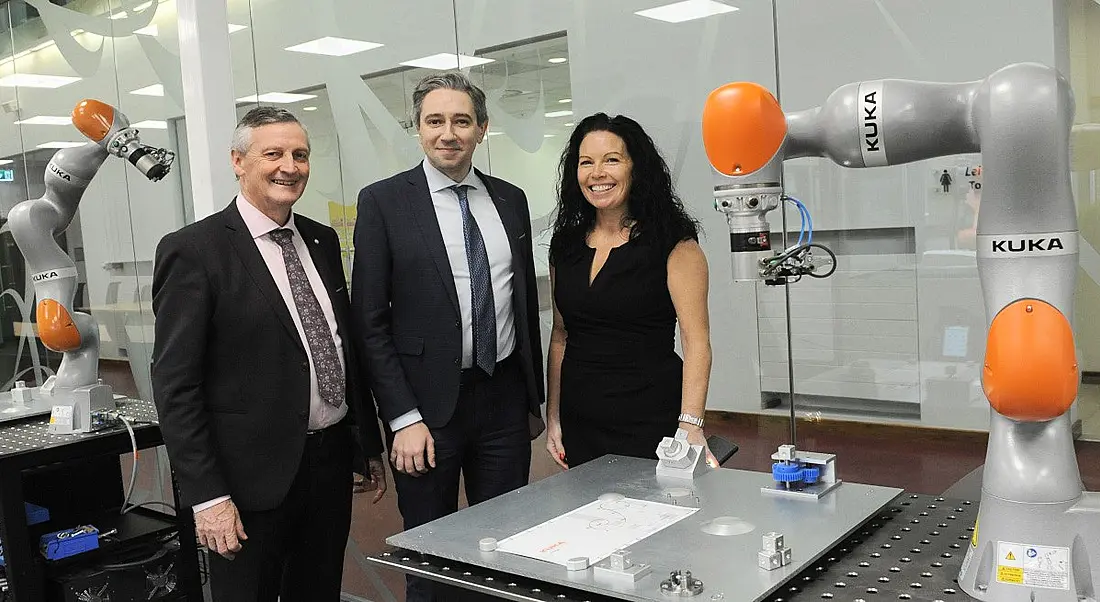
811 474
68 542
786 473
36 514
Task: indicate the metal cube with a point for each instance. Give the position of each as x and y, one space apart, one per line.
787 452
769 561
20 393
786 556
620 560
773 542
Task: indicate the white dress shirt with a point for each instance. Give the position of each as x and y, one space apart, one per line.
449 214
321 414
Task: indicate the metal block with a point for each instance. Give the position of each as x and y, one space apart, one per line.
773 542
786 453
620 560
21 394
677 458
769 561
620 567
786 556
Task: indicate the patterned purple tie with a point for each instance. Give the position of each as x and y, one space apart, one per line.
481 288
326 362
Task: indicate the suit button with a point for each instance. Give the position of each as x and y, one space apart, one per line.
305 365
458 324
456 361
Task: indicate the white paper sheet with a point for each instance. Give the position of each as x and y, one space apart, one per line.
594 530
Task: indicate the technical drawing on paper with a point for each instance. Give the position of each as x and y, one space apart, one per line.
594 530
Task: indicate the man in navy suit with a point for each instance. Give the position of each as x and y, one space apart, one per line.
256 380
444 290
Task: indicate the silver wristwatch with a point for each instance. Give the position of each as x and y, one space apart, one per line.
688 418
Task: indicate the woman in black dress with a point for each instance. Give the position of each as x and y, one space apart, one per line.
626 266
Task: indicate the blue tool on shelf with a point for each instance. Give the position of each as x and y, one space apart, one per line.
35 514
69 542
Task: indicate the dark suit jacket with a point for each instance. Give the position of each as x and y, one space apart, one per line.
230 373
404 297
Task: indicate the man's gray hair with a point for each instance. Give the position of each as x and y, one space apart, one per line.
450 81
259 117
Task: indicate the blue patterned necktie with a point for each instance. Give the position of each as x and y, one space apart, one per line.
481 288
330 377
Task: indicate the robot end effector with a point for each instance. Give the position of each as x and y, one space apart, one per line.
744 132
103 124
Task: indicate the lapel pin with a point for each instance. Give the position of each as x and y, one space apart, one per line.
316 242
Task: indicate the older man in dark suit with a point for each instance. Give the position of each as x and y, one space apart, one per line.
256 382
444 289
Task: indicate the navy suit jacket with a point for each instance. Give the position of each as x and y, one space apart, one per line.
406 304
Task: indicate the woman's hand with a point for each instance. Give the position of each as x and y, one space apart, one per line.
553 441
696 436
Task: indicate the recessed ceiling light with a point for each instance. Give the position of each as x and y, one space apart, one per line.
568 125
557 60
686 11
447 60
309 108
234 28
331 46
495 133
6 161
148 30
153 90
46 120
151 124
565 101
31 80
61 144
559 113
277 97
549 135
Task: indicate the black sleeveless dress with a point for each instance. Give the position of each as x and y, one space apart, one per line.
621 377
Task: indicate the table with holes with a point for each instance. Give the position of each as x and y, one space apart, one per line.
912 550
859 542
26 445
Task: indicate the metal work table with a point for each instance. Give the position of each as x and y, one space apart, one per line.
27 445
859 543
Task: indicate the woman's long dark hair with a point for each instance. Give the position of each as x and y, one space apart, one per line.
654 212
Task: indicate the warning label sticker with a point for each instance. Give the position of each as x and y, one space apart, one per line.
1033 566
